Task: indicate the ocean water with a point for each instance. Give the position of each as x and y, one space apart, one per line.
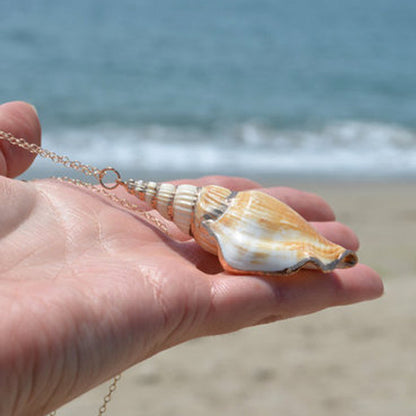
240 87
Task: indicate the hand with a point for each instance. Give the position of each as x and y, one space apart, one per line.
88 289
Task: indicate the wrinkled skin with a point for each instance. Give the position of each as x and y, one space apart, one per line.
88 289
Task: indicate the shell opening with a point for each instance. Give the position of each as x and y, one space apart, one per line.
348 259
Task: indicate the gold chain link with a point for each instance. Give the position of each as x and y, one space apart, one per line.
111 389
107 398
99 174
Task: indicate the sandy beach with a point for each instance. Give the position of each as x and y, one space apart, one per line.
355 360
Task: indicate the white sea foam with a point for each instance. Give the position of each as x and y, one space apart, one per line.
349 149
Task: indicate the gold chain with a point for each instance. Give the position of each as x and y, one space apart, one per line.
47 154
161 225
88 170
111 389
99 174
107 398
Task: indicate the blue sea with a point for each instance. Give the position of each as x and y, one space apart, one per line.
243 87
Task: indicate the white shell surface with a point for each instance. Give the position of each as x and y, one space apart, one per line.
258 234
150 192
165 198
183 206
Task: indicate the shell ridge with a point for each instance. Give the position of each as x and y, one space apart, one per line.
183 207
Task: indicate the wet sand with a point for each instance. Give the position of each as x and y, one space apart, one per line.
354 360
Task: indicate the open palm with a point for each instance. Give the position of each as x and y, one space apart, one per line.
90 288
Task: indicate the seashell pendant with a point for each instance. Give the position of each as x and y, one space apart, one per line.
251 232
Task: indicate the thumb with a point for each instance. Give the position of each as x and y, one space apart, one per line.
21 120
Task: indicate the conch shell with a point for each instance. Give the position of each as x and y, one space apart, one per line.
251 232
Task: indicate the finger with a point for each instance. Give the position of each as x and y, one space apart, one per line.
234 183
316 291
231 182
209 264
239 301
309 205
338 233
21 120
332 230
312 207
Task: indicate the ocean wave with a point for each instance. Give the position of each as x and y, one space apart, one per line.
348 148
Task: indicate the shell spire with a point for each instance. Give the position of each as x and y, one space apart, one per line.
250 232
174 202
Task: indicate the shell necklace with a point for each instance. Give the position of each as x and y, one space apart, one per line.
251 232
